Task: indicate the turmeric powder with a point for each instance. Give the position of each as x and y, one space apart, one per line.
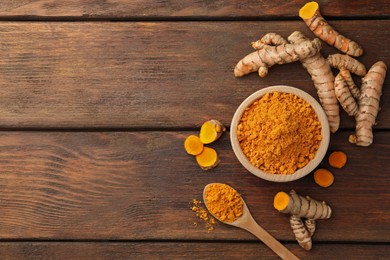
223 202
279 133
202 214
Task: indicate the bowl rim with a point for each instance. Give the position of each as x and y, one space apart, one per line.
320 154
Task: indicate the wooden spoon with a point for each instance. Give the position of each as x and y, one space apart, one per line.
246 221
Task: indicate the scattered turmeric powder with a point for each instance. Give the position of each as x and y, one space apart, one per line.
223 202
337 159
279 133
323 178
203 214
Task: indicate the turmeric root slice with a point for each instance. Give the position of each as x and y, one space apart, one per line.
211 131
207 159
323 178
193 145
337 159
310 13
281 201
341 61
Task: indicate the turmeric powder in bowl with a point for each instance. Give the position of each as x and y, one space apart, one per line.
280 131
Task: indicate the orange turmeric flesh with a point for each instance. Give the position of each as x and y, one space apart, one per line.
211 131
308 10
208 158
337 159
193 145
281 201
323 178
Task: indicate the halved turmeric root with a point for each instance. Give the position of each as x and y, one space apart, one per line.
310 13
193 145
211 131
207 159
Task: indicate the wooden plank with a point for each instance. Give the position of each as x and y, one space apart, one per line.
136 75
120 9
180 250
139 185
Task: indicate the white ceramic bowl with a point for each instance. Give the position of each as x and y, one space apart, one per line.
300 172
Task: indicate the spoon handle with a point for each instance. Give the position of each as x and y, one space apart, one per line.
270 241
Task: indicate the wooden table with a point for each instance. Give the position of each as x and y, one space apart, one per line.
97 97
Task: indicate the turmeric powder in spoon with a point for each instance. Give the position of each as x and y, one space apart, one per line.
223 202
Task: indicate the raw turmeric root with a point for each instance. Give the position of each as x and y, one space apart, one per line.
207 159
310 225
337 159
267 55
355 91
211 131
193 145
340 61
323 178
302 207
310 13
344 95
368 102
323 80
301 233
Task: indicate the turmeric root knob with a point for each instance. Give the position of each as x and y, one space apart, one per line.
301 233
193 145
310 13
207 159
211 131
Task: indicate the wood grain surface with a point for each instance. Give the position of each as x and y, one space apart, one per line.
97 98
139 185
182 250
157 9
149 74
